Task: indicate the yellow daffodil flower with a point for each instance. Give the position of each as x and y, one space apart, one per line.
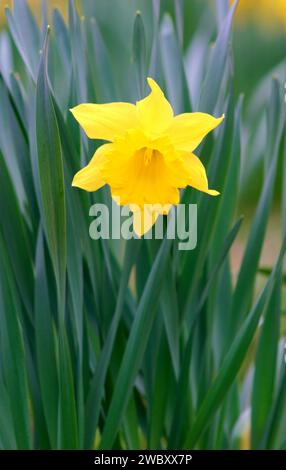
149 154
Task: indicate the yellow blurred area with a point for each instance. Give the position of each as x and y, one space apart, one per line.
62 5
266 12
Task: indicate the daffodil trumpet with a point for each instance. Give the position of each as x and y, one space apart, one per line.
149 155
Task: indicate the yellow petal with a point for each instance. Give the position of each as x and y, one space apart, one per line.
189 129
105 121
196 174
90 177
154 112
143 220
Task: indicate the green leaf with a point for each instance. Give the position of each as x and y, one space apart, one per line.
173 66
139 53
221 10
100 66
14 229
51 177
7 431
159 397
131 426
216 67
60 64
266 357
14 142
274 433
46 345
14 366
283 208
78 54
25 34
68 426
179 15
266 271
170 310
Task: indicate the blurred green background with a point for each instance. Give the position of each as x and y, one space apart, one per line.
259 29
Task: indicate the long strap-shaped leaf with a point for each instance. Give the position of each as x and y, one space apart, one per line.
46 345
213 80
51 176
54 219
265 366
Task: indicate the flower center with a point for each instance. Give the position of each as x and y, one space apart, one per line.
147 154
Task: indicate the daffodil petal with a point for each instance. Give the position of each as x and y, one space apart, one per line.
105 121
196 174
188 130
143 220
90 177
154 112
